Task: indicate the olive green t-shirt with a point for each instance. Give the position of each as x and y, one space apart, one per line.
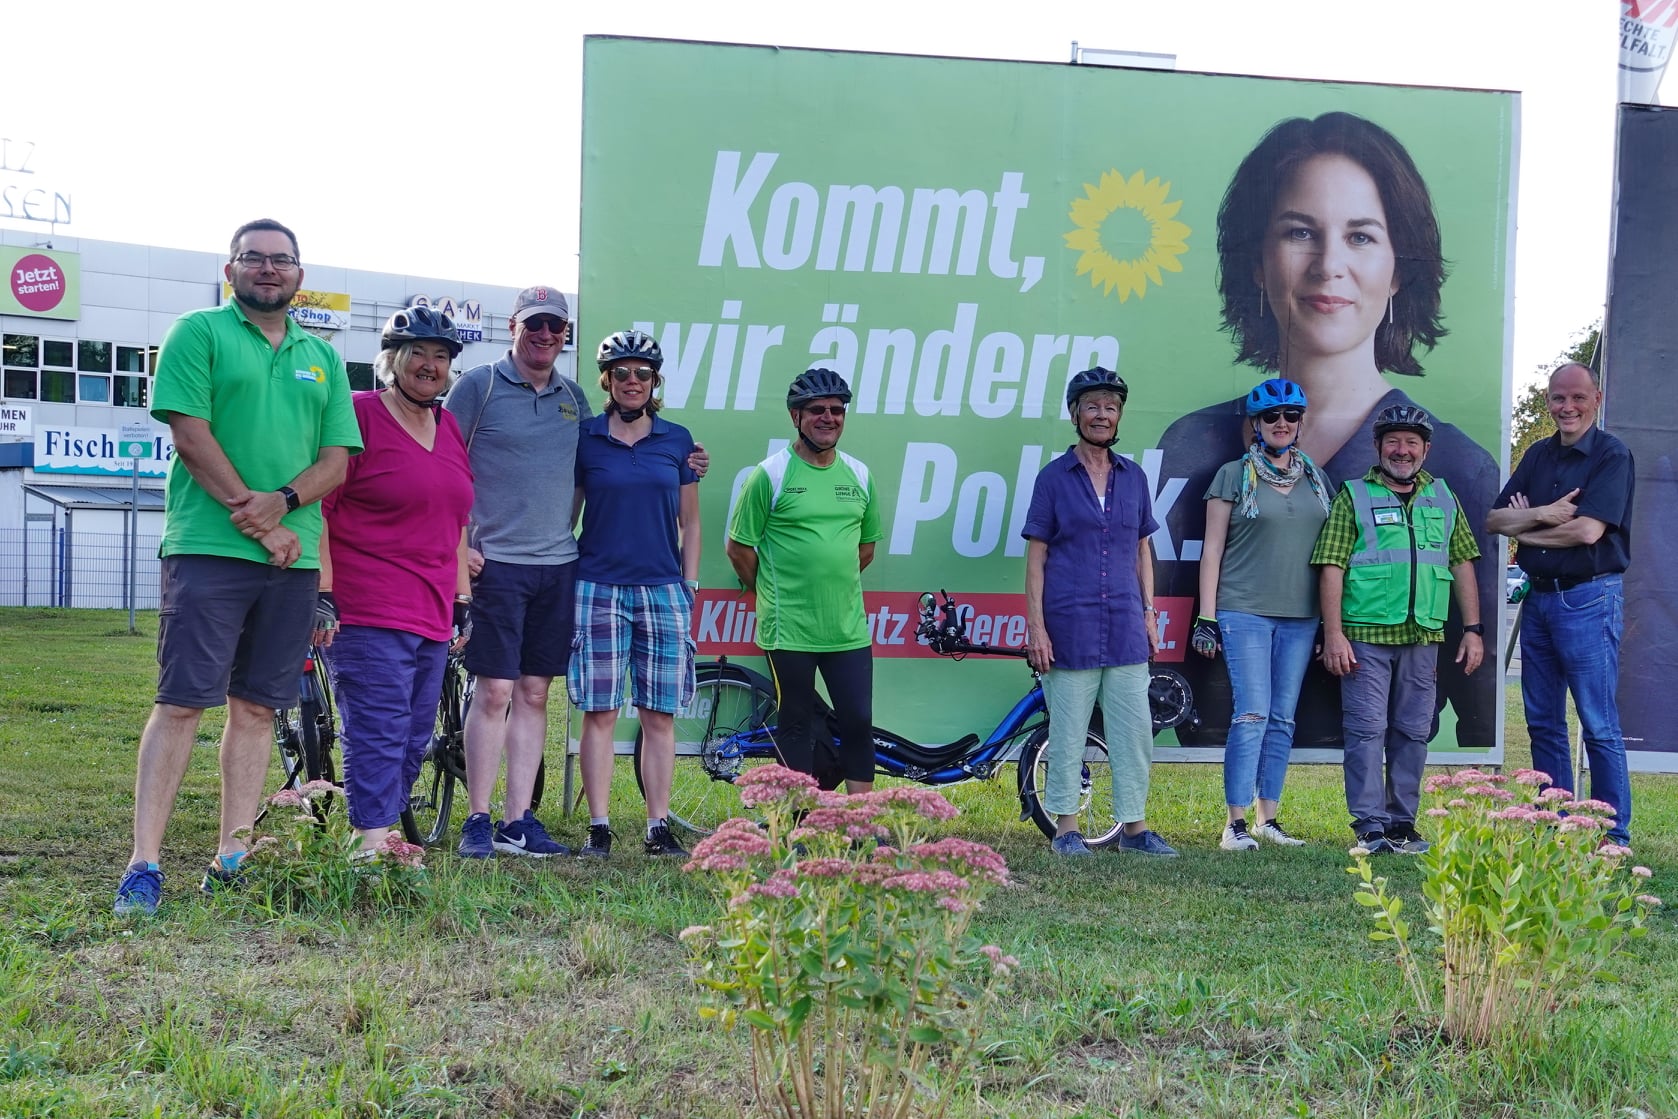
806 523
270 410
1267 559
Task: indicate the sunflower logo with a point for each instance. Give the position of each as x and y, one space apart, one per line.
1127 233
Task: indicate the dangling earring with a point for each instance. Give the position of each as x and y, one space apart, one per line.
1389 310
1264 305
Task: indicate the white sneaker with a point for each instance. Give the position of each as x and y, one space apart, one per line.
1236 838
1272 830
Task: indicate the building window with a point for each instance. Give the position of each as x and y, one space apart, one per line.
131 392
58 354
131 359
18 384
57 387
361 375
93 357
21 350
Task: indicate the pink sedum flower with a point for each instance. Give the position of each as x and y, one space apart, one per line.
770 784
777 885
287 798
1588 805
1555 792
1642 872
1650 900
1531 777
959 854
400 851
927 803
738 837
319 787
1438 812
1456 802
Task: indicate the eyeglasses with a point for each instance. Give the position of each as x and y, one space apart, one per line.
281 262
1292 415
641 373
553 324
824 409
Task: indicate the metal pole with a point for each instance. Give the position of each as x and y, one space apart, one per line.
133 543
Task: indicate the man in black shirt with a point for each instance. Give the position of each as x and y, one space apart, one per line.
1568 505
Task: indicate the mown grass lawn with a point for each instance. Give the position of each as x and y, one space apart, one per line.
1211 985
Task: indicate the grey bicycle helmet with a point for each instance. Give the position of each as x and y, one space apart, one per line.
1090 380
420 324
1274 393
1403 417
629 343
815 384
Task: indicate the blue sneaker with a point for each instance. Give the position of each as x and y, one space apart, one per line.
1071 845
139 891
220 876
1374 843
1147 842
526 836
475 837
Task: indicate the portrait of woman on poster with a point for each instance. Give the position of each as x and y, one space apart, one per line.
1330 270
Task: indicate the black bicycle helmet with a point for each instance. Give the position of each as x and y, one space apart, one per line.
629 343
1092 379
815 384
1274 393
1404 417
420 324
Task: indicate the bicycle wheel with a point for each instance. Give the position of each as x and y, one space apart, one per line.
725 730
431 802
306 733
1095 787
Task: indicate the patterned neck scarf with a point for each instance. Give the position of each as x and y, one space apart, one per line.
1256 467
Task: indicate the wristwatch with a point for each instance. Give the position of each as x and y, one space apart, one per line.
1478 629
291 499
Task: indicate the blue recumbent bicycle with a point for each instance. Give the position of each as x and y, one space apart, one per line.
730 726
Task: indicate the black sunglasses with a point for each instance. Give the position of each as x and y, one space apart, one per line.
1292 415
554 325
824 409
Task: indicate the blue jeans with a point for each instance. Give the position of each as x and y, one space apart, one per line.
1570 641
387 682
1267 659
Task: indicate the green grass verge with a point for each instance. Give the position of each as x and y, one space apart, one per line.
1211 985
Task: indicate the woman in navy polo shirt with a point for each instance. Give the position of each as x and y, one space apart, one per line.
637 571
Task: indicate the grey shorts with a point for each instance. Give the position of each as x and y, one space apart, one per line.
231 627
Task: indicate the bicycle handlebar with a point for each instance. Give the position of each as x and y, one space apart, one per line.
948 638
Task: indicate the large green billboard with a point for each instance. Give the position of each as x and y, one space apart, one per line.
957 237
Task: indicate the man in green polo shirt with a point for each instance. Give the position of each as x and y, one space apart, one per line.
260 414
803 530
1394 549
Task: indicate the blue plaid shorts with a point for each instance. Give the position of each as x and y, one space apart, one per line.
643 632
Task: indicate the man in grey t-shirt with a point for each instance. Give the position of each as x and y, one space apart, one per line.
520 419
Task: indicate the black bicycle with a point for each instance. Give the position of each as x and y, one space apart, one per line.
431 803
306 733
730 726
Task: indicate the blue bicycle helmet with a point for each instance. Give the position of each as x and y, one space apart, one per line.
1090 380
1274 393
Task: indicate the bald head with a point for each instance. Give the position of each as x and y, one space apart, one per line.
1574 400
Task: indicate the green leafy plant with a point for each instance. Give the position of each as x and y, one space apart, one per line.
843 945
311 861
1527 897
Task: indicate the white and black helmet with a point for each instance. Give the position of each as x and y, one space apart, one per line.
815 384
629 343
420 324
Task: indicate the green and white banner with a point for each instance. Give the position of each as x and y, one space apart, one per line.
957 238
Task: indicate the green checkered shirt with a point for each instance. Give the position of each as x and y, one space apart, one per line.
1340 537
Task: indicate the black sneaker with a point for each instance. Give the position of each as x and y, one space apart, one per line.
1406 840
1374 842
660 842
599 845
219 878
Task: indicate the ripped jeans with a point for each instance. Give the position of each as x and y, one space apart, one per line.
1267 659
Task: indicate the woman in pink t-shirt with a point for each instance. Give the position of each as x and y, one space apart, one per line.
393 563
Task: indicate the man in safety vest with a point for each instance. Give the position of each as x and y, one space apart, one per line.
1394 549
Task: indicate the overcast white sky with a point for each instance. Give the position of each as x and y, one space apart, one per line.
172 122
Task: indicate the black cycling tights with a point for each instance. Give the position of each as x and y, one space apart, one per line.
849 677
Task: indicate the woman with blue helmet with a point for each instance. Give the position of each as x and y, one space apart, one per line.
1258 600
